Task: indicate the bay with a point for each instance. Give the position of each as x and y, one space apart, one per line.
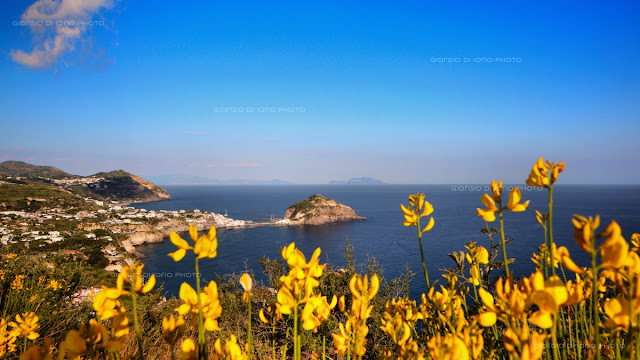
382 235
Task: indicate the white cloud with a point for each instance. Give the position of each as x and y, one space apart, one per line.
57 26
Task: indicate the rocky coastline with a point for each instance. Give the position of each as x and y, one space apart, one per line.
316 210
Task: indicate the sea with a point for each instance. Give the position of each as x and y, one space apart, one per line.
382 235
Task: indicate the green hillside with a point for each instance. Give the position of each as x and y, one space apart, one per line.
117 185
31 197
22 169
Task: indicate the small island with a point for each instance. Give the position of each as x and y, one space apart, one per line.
319 210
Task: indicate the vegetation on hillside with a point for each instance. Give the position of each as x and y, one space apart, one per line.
32 197
22 169
306 205
117 185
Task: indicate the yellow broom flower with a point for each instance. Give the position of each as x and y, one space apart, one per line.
514 201
232 350
54 285
448 347
316 311
7 339
74 345
548 295
544 174
247 284
418 208
617 313
188 350
172 329
273 312
583 229
132 274
615 248
205 246
635 241
541 219
25 326
489 314
488 214
562 254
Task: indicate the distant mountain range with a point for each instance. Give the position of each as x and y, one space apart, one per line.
175 179
356 181
117 185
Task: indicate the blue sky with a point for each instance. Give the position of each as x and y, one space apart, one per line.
347 89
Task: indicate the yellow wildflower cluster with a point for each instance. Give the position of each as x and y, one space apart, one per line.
18 283
489 214
25 326
108 306
544 173
7 339
202 303
297 288
417 209
352 337
54 285
207 303
398 323
476 256
231 350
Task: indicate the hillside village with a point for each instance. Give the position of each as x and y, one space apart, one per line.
21 226
114 228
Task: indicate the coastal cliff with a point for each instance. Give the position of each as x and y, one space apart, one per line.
319 210
123 186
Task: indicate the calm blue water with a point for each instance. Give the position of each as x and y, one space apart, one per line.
382 234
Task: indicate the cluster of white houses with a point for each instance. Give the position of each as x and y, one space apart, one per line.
114 214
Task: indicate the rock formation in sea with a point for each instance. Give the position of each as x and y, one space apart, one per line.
319 210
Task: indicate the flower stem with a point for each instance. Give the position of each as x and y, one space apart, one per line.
349 348
554 338
295 334
202 354
249 329
273 337
637 335
136 324
504 247
595 319
424 266
545 262
324 346
550 229
113 334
